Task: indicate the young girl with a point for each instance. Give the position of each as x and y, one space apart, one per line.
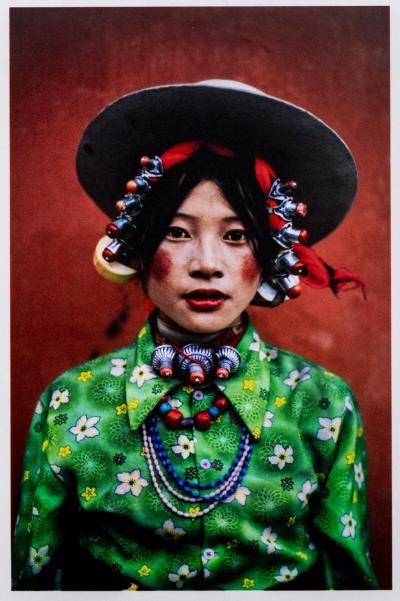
200 457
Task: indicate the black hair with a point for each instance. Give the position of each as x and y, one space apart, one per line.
236 179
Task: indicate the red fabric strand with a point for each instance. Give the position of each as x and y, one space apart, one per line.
321 275
180 152
264 174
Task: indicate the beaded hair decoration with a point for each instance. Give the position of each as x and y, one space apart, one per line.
292 259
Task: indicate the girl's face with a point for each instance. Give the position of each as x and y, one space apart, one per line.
204 273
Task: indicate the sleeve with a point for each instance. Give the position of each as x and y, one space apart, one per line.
40 530
341 514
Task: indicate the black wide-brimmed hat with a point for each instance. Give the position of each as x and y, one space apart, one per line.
298 145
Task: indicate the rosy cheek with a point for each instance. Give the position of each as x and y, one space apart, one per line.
161 265
249 269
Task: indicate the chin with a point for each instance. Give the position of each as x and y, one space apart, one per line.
205 322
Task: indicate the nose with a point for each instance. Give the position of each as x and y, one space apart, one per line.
206 262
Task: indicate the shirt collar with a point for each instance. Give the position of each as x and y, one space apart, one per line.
247 389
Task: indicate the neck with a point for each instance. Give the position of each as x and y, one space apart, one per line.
180 336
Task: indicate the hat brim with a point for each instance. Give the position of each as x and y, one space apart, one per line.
297 144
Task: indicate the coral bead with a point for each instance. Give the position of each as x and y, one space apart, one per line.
108 255
145 161
221 403
298 268
222 373
294 292
202 420
196 377
166 372
301 209
303 236
120 205
131 186
173 418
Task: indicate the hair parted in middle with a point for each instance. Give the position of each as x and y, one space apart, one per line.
236 179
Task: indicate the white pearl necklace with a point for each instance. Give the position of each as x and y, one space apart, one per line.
152 461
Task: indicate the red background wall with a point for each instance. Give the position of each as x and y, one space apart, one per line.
67 63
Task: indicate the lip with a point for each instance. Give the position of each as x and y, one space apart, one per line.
205 299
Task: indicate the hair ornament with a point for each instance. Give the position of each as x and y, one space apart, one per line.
122 229
286 265
292 258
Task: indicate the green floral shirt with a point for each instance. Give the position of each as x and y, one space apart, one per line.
91 518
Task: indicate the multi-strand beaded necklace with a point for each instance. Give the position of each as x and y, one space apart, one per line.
160 469
165 479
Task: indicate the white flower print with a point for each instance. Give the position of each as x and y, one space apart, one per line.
296 376
118 367
240 495
175 403
281 456
58 397
84 428
256 345
268 538
268 417
286 574
131 482
169 531
38 558
349 525
182 575
205 464
347 404
35 511
311 544
330 428
208 555
38 408
141 373
185 446
359 474
305 492
271 353
57 470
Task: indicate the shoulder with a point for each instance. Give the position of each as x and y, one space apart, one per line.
96 372
299 379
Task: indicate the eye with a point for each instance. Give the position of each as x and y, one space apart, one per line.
177 233
236 236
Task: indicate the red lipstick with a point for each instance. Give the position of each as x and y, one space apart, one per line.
205 299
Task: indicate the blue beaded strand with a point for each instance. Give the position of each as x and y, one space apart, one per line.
190 487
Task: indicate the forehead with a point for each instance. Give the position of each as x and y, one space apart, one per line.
206 199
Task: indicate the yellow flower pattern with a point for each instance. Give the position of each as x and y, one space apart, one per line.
65 451
144 570
249 385
350 458
84 376
89 493
248 583
121 409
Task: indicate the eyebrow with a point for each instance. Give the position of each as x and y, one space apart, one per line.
228 219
